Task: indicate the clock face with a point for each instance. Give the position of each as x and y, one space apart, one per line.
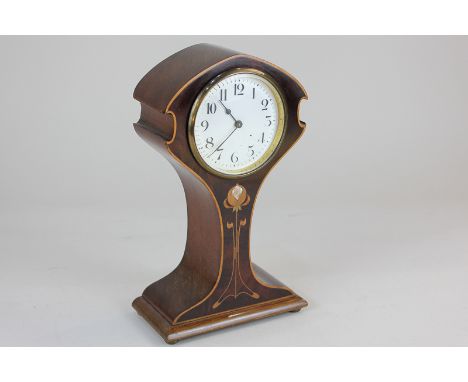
237 122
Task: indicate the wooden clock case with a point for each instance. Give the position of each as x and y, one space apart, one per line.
215 285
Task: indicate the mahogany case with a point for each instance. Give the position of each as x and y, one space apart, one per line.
215 284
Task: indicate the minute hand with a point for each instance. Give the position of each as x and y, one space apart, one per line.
222 143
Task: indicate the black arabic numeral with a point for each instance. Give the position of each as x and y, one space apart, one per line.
209 142
265 104
238 89
269 120
263 137
234 158
223 94
252 150
204 124
211 108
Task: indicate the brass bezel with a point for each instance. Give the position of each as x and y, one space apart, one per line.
266 157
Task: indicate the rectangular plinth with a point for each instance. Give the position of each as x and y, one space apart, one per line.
174 333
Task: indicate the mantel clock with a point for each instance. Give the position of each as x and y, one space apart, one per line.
223 119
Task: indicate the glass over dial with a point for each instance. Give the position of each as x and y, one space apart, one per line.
237 122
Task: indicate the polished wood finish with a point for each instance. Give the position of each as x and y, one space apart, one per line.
174 333
215 285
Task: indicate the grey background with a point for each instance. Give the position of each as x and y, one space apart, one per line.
366 217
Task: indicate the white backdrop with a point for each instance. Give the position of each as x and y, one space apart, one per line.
370 220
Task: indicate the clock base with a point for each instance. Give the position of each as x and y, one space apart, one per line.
172 333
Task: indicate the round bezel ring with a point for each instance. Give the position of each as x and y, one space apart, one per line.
269 153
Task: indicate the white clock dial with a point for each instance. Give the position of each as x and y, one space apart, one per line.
237 123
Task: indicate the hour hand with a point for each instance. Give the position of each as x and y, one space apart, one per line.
228 111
